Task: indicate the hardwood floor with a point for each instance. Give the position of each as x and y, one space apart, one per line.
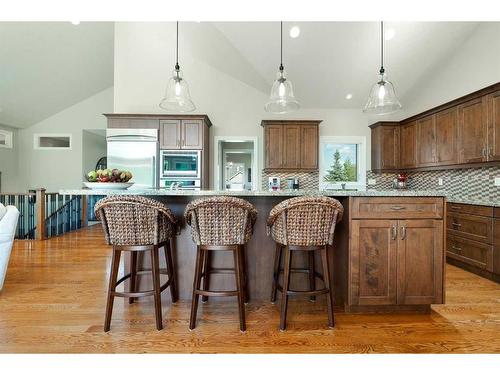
54 298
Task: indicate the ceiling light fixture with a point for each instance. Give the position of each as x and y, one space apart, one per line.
75 22
348 96
382 99
281 99
177 97
294 32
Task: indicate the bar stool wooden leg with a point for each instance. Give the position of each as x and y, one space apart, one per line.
239 286
133 274
155 269
196 286
206 274
329 295
115 265
276 271
171 273
243 265
312 276
286 283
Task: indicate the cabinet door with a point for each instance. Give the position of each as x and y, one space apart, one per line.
309 140
291 146
273 135
390 147
446 137
426 142
170 134
408 149
192 134
494 127
420 262
472 131
373 262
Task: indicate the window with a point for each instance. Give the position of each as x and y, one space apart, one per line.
342 162
52 141
5 139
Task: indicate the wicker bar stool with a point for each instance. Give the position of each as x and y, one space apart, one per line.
303 224
137 224
220 224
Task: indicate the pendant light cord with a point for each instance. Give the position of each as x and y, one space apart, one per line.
177 48
281 43
382 70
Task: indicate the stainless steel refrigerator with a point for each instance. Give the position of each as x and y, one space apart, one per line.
134 150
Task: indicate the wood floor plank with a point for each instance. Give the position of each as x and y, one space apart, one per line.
55 291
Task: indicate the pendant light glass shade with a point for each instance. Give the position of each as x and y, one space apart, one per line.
177 97
282 99
382 99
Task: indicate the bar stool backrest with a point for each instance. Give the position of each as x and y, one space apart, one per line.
135 220
220 220
305 221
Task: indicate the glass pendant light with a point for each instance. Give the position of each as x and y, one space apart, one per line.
382 99
282 99
177 97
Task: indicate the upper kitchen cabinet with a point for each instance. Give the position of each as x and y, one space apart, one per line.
472 131
291 144
426 141
408 145
188 134
494 126
385 146
446 152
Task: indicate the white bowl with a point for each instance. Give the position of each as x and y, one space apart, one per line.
108 185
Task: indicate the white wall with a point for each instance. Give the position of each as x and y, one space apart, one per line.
144 59
60 169
94 147
9 160
474 65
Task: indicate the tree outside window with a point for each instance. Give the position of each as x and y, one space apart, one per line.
342 161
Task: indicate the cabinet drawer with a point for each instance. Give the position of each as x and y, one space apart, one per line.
397 208
470 209
471 252
478 228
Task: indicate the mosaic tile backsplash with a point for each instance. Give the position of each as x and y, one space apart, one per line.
469 183
307 180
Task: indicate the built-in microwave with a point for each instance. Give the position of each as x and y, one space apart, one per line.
180 164
180 184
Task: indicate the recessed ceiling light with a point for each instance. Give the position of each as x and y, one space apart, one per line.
348 96
75 22
294 31
390 33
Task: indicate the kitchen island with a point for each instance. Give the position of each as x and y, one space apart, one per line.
388 252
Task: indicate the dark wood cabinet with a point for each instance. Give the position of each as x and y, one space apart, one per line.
373 262
182 134
291 145
464 132
420 262
472 131
408 145
494 126
396 251
385 146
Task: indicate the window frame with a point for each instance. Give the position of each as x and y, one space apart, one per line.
37 136
8 139
361 162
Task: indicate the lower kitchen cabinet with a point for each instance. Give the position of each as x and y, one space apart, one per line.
396 256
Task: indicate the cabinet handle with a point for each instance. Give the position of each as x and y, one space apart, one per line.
483 152
456 248
394 231
456 224
456 207
397 208
403 232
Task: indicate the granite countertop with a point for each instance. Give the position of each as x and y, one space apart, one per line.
259 193
475 201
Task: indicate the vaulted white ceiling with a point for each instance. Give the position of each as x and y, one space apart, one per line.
332 59
46 67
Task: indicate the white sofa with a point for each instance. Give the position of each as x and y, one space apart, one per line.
8 223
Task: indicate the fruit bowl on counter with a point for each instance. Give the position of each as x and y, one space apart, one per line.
108 179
